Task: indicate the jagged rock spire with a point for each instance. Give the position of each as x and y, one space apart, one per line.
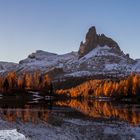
93 39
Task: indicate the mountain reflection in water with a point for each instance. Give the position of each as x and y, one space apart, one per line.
94 109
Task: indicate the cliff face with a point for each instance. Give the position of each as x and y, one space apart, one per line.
93 40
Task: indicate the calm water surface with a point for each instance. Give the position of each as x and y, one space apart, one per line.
36 108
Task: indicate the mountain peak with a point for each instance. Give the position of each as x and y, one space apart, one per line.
91 34
93 40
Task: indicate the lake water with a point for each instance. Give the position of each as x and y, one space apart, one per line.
36 109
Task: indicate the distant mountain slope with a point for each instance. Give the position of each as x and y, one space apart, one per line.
46 61
136 66
7 66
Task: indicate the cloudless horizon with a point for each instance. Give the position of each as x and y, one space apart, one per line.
58 26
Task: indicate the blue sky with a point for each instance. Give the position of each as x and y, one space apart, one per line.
60 25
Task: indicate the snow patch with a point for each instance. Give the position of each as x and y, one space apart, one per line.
136 66
111 66
11 135
98 51
78 74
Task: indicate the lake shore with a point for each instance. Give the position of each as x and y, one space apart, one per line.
71 129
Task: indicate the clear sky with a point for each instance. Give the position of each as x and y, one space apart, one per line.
60 25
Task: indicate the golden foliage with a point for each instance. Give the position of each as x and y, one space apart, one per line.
24 81
125 87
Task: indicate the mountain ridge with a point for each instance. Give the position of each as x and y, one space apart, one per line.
97 55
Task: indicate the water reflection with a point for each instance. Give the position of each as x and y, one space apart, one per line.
25 111
106 110
24 115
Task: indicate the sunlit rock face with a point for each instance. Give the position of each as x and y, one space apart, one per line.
90 42
93 40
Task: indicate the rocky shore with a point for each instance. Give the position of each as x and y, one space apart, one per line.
69 129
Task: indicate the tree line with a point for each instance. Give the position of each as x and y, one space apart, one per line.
127 87
25 81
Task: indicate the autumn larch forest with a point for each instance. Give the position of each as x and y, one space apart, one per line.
127 87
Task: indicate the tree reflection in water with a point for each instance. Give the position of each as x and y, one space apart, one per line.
28 114
92 108
106 110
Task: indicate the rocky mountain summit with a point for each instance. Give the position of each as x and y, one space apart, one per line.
93 40
98 55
